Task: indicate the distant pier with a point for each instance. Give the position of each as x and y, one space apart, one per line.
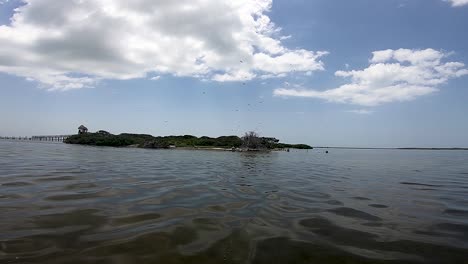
59 138
52 138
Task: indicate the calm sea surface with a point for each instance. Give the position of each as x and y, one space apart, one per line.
73 204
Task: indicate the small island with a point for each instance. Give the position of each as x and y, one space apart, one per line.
251 141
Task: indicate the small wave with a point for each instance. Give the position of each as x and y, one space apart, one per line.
421 184
77 196
456 212
61 178
378 205
132 219
353 213
360 198
457 228
16 184
80 186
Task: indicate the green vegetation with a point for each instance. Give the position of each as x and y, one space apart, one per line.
107 139
249 141
293 146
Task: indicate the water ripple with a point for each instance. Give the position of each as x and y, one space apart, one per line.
74 204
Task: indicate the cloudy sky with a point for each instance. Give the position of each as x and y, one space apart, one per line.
385 73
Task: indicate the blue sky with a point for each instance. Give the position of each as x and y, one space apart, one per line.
364 73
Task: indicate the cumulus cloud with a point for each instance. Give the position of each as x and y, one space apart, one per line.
392 76
76 43
457 2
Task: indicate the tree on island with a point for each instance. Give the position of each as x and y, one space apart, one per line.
251 140
270 142
104 133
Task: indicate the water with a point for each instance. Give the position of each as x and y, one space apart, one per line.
74 204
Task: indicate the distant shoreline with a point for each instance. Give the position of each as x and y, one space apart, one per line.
392 148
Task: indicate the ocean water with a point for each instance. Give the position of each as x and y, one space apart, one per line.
74 204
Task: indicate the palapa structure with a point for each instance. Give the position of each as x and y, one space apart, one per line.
82 130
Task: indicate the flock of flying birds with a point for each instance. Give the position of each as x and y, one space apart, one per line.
238 127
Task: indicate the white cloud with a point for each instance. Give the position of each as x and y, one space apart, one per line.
361 111
76 43
155 78
272 76
392 76
457 2
237 75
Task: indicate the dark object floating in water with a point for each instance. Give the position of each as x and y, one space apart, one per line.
326 152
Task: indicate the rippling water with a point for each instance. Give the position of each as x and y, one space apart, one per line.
73 204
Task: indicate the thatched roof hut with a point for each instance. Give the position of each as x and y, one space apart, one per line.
82 130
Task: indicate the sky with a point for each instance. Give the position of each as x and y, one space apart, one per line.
361 73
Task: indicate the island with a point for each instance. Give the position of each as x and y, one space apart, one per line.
251 141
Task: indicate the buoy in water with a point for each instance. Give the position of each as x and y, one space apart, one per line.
326 151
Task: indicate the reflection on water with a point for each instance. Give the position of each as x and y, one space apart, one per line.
73 204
